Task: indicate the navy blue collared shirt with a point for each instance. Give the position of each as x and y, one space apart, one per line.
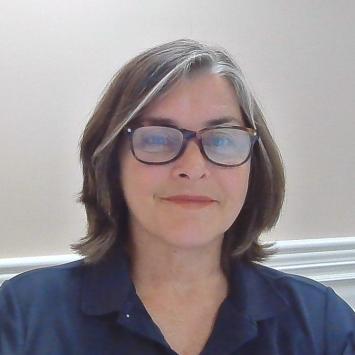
78 309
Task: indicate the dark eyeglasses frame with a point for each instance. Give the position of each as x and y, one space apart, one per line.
188 135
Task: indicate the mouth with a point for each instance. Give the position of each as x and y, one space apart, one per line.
190 201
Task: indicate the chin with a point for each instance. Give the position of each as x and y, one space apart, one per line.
192 240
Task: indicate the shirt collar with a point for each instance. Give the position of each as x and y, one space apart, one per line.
107 286
252 297
253 293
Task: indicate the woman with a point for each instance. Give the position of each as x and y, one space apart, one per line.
181 176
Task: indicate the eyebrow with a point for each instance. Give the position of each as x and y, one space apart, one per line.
209 123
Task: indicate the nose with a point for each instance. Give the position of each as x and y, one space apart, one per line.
191 164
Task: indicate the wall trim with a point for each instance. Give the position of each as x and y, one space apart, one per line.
330 261
324 259
10 267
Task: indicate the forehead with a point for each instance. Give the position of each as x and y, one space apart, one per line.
196 102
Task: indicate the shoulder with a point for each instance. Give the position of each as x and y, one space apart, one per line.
34 299
292 310
39 285
291 282
299 289
50 273
268 291
314 304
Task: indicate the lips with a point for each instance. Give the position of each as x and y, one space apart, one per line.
189 198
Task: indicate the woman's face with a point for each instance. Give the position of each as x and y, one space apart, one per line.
190 104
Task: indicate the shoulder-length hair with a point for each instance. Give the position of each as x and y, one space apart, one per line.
133 88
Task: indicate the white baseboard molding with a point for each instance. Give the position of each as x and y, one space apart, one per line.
330 261
10 267
324 260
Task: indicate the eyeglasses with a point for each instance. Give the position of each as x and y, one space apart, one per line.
224 146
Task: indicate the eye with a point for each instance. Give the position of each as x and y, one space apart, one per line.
155 140
221 141
156 143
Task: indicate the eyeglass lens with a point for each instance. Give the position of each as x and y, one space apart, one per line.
155 144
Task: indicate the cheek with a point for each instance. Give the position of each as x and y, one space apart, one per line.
236 186
139 181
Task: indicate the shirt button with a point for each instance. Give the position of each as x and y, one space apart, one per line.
127 315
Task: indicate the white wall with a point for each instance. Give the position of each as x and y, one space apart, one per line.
57 56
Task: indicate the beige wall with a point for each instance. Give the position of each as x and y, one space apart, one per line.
57 56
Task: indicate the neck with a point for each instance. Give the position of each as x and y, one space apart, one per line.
167 268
